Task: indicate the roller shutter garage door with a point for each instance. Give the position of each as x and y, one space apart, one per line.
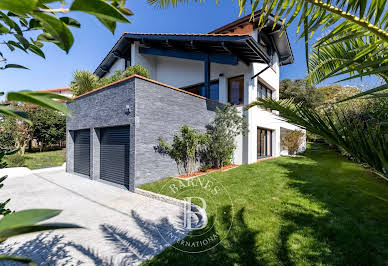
82 152
114 155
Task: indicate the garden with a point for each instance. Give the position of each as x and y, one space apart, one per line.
317 208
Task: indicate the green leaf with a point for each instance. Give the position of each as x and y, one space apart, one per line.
15 44
18 259
27 229
22 40
34 24
111 25
7 111
14 66
26 217
42 99
70 22
57 29
36 50
99 8
18 6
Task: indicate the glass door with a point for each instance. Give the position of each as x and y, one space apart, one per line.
264 143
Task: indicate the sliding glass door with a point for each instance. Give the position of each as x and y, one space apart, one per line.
264 143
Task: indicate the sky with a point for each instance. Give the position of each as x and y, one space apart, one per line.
93 41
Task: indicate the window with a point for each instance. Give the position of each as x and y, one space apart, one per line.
263 91
264 143
199 89
236 90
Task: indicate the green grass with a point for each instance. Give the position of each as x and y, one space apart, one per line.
316 209
37 160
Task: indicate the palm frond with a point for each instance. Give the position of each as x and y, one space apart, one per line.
365 143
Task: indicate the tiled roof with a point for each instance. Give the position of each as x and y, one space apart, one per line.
189 34
55 90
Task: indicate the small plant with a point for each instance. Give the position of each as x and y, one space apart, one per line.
220 137
183 150
292 140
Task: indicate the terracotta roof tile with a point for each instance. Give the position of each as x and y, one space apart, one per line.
55 90
189 34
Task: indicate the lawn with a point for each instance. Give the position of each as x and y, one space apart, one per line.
37 160
315 209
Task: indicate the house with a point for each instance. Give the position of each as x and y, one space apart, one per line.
113 130
67 92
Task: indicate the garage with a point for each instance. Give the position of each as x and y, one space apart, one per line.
82 151
114 155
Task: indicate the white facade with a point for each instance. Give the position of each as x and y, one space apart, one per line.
184 72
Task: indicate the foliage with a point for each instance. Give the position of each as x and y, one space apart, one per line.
309 207
3 164
28 221
49 127
220 137
301 91
355 40
19 18
184 149
19 131
292 140
85 81
365 143
16 160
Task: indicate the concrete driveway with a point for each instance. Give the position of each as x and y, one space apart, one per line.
123 228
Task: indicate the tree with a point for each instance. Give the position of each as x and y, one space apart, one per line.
365 143
301 91
85 81
48 126
292 140
355 40
221 137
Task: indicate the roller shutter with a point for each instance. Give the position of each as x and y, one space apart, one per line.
82 152
114 155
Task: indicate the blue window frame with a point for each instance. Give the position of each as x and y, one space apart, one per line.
199 89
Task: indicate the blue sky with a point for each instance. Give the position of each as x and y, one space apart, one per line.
93 41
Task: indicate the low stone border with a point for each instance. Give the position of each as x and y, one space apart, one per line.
201 213
163 198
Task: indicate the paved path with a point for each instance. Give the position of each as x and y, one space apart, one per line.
122 227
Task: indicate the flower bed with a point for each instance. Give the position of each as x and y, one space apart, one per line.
224 168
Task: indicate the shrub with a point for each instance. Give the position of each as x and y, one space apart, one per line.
84 80
15 160
184 149
292 140
220 137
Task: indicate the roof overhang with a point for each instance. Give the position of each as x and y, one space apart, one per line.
244 47
279 40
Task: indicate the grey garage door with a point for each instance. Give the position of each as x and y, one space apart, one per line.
82 152
114 155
